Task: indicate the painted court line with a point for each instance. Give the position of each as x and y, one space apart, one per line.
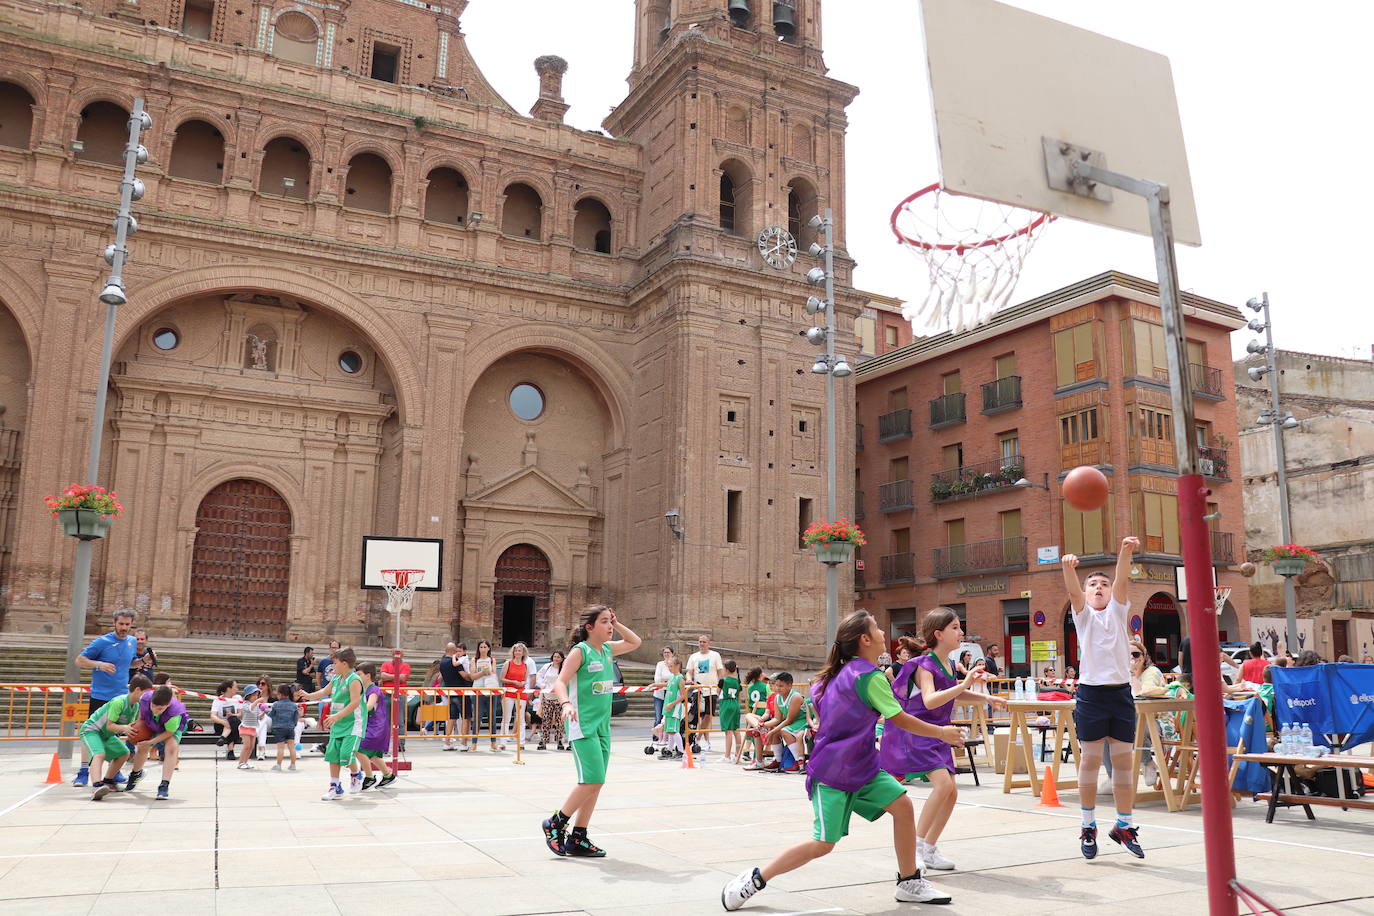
22 802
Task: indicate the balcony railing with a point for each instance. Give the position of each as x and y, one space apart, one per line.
895 424
859 437
896 567
1205 380
1223 546
895 496
997 474
1153 451
1002 394
980 556
858 504
947 409
1213 461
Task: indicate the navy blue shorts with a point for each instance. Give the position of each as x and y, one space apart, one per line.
1105 712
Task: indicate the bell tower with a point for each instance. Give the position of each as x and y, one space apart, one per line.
742 139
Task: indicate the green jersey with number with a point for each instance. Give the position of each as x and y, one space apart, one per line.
729 690
592 690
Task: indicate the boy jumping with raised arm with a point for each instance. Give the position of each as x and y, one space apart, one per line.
1105 708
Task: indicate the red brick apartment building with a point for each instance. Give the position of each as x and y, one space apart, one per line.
963 440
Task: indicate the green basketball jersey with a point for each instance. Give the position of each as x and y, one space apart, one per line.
591 691
729 690
355 723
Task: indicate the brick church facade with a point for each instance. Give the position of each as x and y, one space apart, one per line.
351 252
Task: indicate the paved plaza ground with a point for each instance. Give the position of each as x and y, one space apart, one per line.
460 835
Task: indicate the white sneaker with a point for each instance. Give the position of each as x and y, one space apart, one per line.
245 766
919 890
276 767
335 791
355 783
930 855
740 888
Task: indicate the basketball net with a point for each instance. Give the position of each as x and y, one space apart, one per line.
973 251
400 587
1223 595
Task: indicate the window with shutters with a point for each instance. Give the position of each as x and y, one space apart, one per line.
1075 355
1085 533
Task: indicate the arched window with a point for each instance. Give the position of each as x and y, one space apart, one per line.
592 226
369 183
198 153
446 198
801 206
16 116
296 38
523 213
734 197
103 133
285 169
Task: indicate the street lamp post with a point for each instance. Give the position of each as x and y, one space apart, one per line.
1278 421
130 190
832 367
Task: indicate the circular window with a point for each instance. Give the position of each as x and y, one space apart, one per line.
350 362
526 402
166 339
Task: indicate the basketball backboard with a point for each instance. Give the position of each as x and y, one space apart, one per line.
1004 81
381 553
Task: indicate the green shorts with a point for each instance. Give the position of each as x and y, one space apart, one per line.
341 749
832 807
729 717
591 755
112 746
375 755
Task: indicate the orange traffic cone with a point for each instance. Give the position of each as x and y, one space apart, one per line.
687 762
54 772
1049 792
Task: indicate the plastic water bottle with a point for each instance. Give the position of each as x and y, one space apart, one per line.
1285 745
1307 743
1020 688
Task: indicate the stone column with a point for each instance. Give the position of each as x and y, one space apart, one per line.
550 105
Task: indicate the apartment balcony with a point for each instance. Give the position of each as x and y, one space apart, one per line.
1206 381
1223 547
1092 451
971 479
858 504
996 555
858 437
896 567
1002 394
1213 462
895 496
1153 451
947 410
895 425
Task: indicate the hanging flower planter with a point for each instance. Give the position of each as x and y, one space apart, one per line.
1289 559
1289 566
85 513
833 542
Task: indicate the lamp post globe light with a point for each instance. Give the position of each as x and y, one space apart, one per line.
113 295
832 366
1278 420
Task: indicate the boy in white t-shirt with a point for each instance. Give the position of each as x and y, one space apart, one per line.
1105 708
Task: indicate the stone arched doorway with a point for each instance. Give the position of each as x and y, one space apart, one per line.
241 564
521 596
1228 624
1163 629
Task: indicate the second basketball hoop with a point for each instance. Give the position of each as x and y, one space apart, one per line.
973 250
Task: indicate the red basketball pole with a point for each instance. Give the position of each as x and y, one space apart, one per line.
398 709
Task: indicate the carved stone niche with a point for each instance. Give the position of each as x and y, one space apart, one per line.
262 334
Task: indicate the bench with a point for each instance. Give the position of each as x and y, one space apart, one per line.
1282 770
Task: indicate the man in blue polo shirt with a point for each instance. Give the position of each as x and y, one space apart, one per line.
108 659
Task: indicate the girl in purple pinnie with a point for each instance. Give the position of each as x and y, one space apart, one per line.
372 750
927 690
843 776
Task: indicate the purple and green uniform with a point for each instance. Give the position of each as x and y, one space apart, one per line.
378 733
346 734
95 731
842 775
907 756
172 719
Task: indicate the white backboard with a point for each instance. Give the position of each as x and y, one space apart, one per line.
1001 79
1181 584
381 553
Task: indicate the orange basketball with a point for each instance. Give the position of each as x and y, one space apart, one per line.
1085 488
140 732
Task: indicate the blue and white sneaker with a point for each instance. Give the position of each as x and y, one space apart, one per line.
1087 842
335 791
355 783
1126 836
83 777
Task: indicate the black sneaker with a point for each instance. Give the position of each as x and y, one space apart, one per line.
103 789
1087 841
1126 836
161 791
554 835
134 777
579 845
368 783
386 780
229 754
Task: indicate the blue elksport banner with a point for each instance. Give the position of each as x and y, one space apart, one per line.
1333 699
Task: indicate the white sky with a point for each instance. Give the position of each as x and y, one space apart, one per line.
1275 100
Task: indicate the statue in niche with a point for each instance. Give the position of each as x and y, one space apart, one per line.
257 352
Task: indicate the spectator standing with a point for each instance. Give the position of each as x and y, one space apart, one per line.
550 717
484 675
107 658
454 672
1252 669
516 676
284 714
305 670
661 676
325 666
249 718
392 681
992 662
145 659
705 668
